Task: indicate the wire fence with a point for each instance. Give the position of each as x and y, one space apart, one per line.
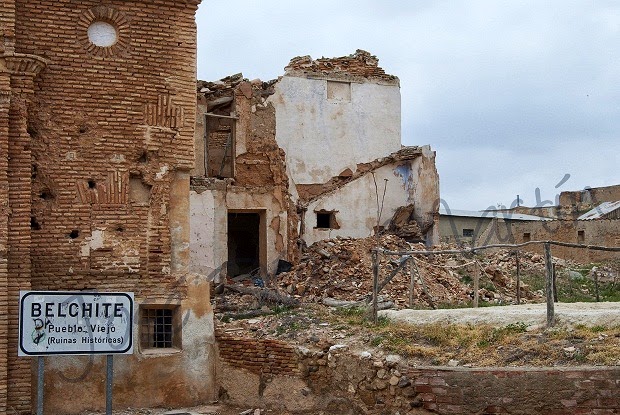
412 259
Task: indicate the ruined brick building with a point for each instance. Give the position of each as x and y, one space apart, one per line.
586 217
97 117
315 154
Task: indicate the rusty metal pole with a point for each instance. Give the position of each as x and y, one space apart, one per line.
518 278
549 285
375 285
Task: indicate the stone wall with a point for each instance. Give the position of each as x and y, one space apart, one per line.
337 381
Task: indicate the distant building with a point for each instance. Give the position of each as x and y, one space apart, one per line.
480 227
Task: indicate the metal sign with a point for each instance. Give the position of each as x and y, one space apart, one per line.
72 323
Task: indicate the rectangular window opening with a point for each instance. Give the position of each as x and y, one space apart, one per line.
326 220
468 233
581 237
159 328
527 237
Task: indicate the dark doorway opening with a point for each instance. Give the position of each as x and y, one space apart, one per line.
243 243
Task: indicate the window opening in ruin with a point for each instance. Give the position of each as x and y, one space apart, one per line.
219 146
74 234
468 233
527 237
326 220
339 91
92 184
159 327
581 237
244 243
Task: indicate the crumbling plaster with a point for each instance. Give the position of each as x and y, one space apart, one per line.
322 137
357 204
209 223
154 378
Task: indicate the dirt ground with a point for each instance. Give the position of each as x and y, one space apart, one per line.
534 315
215 409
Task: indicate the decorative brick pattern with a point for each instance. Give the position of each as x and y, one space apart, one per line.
78 124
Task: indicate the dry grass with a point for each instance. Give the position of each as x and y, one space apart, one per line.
484 345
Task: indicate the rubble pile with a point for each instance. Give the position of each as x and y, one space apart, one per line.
341 268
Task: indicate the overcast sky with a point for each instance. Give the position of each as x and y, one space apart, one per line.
513 95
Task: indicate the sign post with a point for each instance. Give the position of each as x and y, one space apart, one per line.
75 323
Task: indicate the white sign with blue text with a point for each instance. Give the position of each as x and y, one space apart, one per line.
74 323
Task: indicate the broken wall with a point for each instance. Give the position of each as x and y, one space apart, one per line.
335 113
304 144
275 375
357 203
601 232
259 184
101 143
581 201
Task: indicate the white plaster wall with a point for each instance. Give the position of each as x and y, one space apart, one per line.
323 137
209 229
208 252
356 203
412 181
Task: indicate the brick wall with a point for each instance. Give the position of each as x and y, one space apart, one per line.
92 141
4 240
99 120
265 357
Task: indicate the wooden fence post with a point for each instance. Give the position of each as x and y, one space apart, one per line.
549 285
476 283
598 297
411 281
518 278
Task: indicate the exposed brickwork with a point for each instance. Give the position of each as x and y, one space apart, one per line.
264 357
98 121
19 241
518 391
4 240
360 64
94 144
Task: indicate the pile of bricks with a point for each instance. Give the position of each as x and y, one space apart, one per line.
360 64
